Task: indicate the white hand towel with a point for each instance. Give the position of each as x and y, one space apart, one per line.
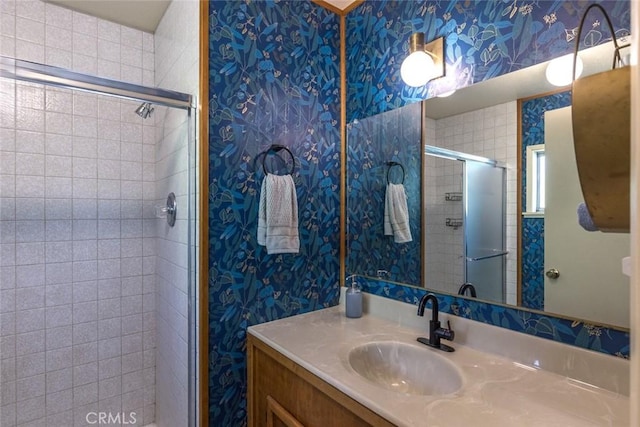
396 214
278 215
388 230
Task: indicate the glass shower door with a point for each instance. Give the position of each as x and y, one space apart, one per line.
102 287
484 229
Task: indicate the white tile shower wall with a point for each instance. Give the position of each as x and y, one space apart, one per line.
444 247
176 54
77 251
490 132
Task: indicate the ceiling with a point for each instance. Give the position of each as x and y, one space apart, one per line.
144 15
340 4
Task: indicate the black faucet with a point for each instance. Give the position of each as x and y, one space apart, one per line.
435 331
467 287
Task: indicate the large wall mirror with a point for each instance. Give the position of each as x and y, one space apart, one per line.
492 192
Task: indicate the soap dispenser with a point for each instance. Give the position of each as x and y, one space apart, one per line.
353 303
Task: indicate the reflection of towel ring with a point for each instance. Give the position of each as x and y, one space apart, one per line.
392 164
275 148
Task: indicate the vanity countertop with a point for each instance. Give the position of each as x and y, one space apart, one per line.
496 391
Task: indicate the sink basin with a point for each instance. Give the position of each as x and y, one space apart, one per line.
405 368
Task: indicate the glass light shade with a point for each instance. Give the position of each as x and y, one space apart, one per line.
559 70
446 94
417 69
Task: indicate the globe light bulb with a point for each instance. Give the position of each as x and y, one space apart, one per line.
559 70
417 69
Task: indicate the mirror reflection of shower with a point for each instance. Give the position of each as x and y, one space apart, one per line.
144 110
464 220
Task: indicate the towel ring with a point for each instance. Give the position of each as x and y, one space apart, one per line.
275 148
392 164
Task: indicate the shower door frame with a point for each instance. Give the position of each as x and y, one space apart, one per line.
433 151
55 76
20 70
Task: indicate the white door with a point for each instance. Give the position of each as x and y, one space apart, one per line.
590 284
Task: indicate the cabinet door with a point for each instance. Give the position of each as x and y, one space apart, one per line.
283 394
278 416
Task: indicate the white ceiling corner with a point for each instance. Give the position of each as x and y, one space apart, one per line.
144 15
340 4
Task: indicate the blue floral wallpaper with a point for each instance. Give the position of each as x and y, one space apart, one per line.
484 39
274 78
593 337
532 268
372 142
532 247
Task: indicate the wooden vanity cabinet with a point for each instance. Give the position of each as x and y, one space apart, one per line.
281 393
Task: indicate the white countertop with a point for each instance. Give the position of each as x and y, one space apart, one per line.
496 391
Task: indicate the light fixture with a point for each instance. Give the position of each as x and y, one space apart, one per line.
446 94
144 110
425 61
559 70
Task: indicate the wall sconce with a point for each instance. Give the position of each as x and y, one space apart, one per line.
446 94
425 61
559 70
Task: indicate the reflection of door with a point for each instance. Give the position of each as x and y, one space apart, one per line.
591 284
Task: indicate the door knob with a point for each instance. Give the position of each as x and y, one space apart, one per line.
552 273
